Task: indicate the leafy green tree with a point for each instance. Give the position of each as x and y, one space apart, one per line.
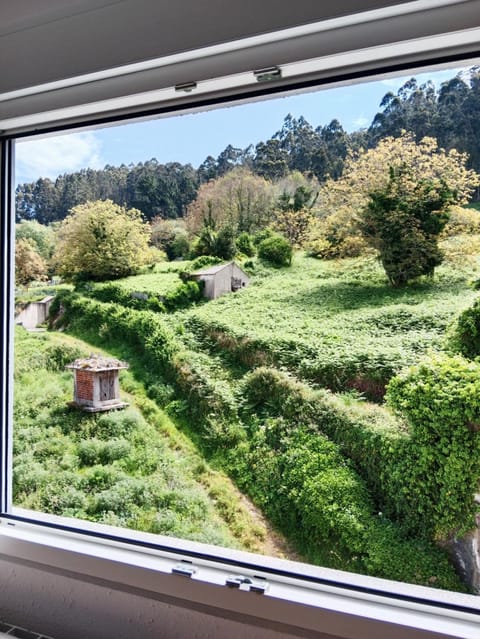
163 190
239 199
341 202
102 240
245 244
271 160
225 246
294 213
171 237
29 265
413 108
43 237
404 225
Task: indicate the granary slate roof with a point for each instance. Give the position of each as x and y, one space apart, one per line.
97 363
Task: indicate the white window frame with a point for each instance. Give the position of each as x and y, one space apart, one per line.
301 597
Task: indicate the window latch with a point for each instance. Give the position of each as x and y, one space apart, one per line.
257 584
184 569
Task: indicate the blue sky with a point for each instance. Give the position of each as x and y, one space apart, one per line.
190 138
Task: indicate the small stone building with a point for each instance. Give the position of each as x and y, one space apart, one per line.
221 279
35 313
96 383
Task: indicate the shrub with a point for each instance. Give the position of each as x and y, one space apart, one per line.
312 494
328 247
95 451
245 244
424 475
462 221
276 250
440 398
465 334
57 356
184 295
204 261
225 246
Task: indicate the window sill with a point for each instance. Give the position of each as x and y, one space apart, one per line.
289 603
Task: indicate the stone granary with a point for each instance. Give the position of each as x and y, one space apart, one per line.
221 279
96 383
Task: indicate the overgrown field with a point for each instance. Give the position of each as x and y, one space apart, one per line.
162 279
249 377
337 324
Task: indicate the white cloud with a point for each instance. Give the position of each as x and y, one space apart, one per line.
361 121
52 156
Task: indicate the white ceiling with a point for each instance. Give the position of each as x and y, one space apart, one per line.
17 15
46 40
49 49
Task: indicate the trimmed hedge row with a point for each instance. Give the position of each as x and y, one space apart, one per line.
209 403
147 331
308 489
332 368
183 296
423 472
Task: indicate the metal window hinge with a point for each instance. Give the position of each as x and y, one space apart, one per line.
268 74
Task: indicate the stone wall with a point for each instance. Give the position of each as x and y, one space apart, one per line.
465 553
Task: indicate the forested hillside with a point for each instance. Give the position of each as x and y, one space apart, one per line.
450 114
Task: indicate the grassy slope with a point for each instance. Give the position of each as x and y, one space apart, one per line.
163 279
337 314
132 468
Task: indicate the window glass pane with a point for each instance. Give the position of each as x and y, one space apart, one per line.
256 327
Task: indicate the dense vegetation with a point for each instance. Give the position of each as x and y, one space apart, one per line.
321 466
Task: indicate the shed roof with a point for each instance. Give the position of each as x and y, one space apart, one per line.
216 268
97 363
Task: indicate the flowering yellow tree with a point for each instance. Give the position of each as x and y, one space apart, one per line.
341 201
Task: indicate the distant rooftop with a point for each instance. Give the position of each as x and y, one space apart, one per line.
211 270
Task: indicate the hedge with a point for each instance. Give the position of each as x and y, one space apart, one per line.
465 334
147 331
308 489
422 468
183 296
209 403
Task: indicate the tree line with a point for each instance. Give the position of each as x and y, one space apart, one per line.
450 114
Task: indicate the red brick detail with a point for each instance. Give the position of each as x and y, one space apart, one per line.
84 385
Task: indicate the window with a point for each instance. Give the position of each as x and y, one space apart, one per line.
96 480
